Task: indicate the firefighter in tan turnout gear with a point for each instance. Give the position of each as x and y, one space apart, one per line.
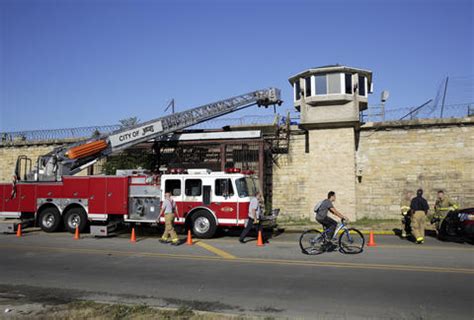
169 210
442 206
419 208
405 211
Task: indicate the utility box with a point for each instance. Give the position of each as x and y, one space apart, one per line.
331 96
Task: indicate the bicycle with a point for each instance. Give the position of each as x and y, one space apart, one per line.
351 240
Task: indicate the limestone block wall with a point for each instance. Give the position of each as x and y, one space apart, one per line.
9 154
302 179
431 154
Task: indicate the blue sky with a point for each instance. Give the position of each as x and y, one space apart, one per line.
80 63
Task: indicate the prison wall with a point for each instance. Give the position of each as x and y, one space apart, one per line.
370 169
318 161
395 157
10 152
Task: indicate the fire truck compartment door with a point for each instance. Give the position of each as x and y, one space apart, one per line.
116 198
10 203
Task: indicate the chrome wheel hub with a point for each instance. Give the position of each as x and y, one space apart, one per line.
48 220
202 225
74 221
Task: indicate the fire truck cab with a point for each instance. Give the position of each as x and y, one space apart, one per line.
208 199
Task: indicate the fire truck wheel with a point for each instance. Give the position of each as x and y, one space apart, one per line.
49 219
204 225
75 217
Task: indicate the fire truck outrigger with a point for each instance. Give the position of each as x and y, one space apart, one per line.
50 196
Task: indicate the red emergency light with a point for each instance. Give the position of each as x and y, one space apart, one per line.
232 170
177 171
248 172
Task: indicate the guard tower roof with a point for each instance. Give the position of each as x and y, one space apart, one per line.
330 69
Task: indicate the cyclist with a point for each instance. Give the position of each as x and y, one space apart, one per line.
322 209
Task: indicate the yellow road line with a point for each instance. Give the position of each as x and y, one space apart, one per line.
250 260
215 250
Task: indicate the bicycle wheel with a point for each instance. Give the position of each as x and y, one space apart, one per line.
311 242
351 241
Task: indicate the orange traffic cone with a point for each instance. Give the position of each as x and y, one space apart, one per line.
76 235
190 239
18 231
260 239
371 240
133 237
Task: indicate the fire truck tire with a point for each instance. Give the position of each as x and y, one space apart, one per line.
49 219
75 217
204 224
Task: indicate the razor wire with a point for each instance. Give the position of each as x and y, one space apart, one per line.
59 135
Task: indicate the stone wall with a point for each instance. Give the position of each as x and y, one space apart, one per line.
393 157
10 153
300 178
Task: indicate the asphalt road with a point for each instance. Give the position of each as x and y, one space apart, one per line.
395 280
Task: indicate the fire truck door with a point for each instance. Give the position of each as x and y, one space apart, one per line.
225 201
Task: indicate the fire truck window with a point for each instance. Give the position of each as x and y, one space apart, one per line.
193 187
242 187
173 186
224 187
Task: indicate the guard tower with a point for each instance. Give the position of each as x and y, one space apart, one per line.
331 96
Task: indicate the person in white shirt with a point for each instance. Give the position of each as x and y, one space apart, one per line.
255 212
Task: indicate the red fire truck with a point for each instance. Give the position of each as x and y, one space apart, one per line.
49 194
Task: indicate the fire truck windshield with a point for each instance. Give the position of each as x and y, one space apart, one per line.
247 187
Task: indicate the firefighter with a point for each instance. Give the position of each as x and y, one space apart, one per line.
255 212
419 209
405 211
442 206
169 209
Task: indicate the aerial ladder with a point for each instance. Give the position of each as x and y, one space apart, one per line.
71 159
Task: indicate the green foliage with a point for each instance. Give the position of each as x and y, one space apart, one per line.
131 159
129 122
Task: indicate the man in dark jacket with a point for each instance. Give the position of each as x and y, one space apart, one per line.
419 209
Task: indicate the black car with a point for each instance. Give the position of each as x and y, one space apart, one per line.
458 224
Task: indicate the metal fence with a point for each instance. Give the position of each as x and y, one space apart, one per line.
67 134
373 114
55 134
430 111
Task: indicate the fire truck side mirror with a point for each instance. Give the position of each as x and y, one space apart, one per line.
206 198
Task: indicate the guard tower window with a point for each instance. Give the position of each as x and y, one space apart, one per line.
173 186
193 187
307 84
348 78
321 84
297 90
223 187
334 83
362 89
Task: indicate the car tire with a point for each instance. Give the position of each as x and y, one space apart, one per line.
49 219
75 217
204 224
